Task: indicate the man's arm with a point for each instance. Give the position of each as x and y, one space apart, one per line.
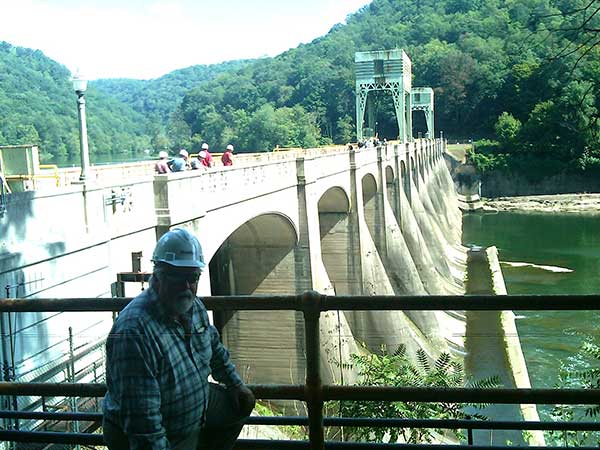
133 386
224 371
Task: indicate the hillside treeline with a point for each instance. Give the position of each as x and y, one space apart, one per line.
524 74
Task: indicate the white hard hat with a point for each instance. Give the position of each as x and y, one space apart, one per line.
162 154
205 146
183 152
230 147
202 154
179 248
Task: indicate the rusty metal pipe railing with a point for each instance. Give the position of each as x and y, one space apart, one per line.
463 395
314 386
265 392
244 444
354 393
51 415
329 303
313 392
451 424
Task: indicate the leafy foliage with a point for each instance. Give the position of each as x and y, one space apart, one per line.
581 371
397 369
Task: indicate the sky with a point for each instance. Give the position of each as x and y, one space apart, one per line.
146 39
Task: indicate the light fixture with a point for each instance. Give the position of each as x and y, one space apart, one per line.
80 86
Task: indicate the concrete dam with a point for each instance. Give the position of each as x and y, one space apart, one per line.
374 221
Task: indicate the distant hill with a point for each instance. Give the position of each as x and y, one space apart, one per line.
161 96
38 105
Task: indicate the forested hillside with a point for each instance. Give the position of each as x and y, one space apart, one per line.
524 73
158 98
38 105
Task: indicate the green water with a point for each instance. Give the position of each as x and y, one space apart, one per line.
562 241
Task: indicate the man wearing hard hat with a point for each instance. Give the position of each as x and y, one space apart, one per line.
162 165
181 163
205 157
226 158
159 354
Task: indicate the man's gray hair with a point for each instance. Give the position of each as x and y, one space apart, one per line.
159 269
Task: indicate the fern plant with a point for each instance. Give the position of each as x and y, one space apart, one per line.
397 369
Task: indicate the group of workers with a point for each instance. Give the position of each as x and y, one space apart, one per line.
183 161
159 355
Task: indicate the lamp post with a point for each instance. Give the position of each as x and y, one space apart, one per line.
79 86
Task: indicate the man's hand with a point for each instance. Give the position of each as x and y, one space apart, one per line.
244 398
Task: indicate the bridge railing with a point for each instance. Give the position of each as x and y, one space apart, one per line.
314 393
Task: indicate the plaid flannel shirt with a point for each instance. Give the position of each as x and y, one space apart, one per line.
157 377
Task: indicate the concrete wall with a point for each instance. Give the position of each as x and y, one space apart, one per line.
494 349
499 184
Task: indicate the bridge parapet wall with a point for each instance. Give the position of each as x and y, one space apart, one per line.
186 196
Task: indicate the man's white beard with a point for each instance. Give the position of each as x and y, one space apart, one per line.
182 304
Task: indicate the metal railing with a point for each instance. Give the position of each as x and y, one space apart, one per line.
313 392
38 176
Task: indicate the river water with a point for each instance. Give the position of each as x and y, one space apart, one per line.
543 253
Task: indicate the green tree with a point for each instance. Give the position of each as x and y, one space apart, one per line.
178 131
27 134
507 129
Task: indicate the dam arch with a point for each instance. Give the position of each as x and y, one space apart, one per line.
259 257
268 238
393 196
339 238
405 180
414 172
372 210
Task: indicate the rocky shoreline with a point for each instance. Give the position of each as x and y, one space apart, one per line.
562 203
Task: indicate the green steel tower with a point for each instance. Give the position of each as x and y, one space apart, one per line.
422 100
383 70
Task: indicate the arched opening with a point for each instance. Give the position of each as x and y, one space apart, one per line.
392 191
404 178
339 241
413 172
371 206
261 257
419 122
380 117
245 263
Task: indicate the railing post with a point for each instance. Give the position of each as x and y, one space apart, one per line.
71 369
314 388
469 433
